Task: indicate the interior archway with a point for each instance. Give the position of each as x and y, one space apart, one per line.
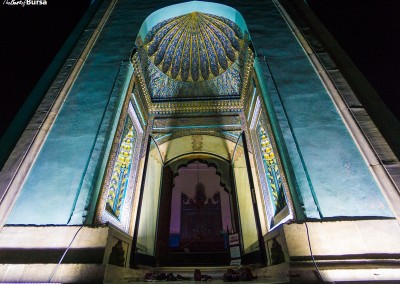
195 64
200 218
202 194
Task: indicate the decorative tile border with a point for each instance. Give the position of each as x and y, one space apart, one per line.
103 216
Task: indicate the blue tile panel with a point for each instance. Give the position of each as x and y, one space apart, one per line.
330 171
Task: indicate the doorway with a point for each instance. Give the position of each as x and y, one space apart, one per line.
191 204
201 216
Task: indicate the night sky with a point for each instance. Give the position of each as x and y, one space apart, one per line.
368 30
30 38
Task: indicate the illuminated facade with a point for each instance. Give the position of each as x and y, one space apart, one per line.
178 124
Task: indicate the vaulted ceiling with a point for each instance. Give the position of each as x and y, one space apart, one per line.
194 47
195 56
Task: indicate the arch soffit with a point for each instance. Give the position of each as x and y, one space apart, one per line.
189 7
221 167
196 145
166 85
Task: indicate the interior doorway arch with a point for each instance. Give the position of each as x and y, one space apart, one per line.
197 212
198 107
192 246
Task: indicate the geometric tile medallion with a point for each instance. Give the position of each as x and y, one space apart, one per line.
194 47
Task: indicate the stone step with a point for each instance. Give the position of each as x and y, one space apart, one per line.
216 272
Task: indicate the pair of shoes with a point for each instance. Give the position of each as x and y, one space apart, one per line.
206 277
171 277
161 276
150 277
199 277
181 278
246 275
231 276
243 275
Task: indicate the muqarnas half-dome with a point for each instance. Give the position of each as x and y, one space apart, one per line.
194 47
